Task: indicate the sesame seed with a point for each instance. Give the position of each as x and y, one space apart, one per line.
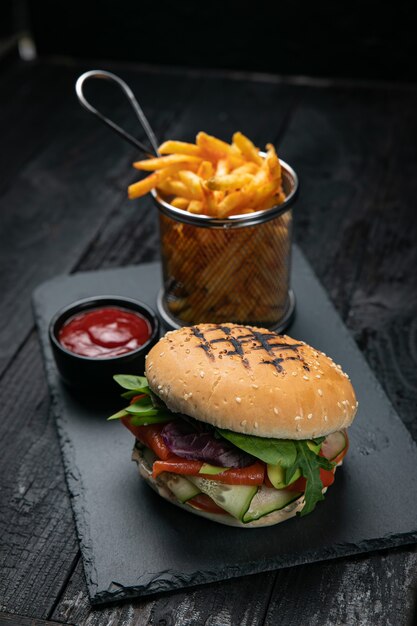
298 417
243 423
318 376
255 425
255 386
298 427
201 374
294 373
309 416
325 418
161 353
187 351
306 377
339 405
238 400
149 367
319 391
159 386
352 406
276 410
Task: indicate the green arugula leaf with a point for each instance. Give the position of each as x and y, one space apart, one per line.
309 463
133 383
274 451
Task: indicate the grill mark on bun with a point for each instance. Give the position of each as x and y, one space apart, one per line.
251 340
204 344
236 343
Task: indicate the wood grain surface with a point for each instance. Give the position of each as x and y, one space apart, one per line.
63 207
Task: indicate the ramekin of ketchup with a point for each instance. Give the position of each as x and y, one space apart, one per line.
95 338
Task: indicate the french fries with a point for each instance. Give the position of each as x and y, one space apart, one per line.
218 275
213 177
214 274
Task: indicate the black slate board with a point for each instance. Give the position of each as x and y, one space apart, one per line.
134 543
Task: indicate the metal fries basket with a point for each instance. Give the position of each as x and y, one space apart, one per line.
235 269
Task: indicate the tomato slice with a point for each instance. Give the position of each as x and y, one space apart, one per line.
252 475
176 465
141 395
205 503
150 436
326 477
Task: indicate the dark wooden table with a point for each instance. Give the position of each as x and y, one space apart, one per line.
63 208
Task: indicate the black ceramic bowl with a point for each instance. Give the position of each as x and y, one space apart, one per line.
96 374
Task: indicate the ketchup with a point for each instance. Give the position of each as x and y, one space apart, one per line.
105 332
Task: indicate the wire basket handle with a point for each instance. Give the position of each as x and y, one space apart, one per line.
115 127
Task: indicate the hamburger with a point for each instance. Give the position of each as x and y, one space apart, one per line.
237 423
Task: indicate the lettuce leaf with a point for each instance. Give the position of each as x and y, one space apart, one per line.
133 383
143 411
274 451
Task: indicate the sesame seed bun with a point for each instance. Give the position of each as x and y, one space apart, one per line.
251 380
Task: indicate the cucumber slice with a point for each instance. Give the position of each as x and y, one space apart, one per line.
334 444
206 468
276 475
268 500
235 499
182 488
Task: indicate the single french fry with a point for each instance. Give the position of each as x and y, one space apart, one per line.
142 187
193 183
262 193
229 182
232 202
205 170
222 167
259 179
213 145
172 187
180 203
271 162
214 149
247 148
148 165
209 201
179 147
247 168
152 181
195 206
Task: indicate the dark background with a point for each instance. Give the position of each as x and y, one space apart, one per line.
365 40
